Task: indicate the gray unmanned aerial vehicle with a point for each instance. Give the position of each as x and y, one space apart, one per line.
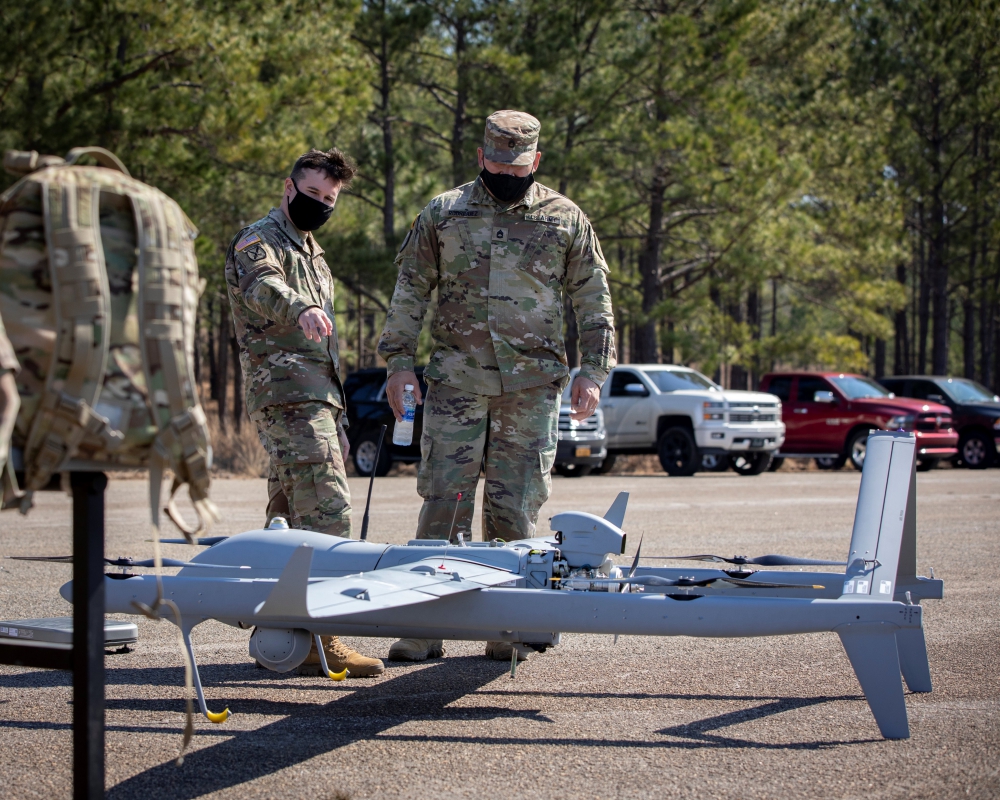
294 585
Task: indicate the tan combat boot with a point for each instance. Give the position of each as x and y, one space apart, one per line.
338 658
501 651
416 649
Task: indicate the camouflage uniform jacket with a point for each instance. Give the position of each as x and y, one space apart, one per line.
501 274
275 272
8 361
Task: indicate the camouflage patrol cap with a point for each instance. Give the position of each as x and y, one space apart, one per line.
511 137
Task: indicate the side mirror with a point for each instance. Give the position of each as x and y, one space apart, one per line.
636 389
824 397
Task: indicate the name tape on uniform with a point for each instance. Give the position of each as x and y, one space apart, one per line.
463 212
543 218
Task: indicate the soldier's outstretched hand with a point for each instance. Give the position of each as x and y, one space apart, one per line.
315 324
584 398
394 392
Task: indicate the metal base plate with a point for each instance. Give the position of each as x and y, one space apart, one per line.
59 630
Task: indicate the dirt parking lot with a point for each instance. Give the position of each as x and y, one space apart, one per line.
659 718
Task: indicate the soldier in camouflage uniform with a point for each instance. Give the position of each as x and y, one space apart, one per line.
281 293
503 252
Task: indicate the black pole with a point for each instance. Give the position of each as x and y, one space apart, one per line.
88 634
371 482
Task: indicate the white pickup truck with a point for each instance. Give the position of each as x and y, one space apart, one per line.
682 416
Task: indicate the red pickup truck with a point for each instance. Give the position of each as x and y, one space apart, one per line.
828 415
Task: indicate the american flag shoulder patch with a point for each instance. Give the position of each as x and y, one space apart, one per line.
246 241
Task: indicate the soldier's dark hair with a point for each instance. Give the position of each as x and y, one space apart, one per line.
333 163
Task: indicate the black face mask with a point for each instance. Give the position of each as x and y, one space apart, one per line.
307 213
506 188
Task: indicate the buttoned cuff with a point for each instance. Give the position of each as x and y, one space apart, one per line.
399 363
593 373
297 306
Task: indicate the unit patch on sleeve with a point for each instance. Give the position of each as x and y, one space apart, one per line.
246 241
256 253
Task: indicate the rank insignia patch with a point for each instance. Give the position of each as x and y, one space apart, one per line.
246 241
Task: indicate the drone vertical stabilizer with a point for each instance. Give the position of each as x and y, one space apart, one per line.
616 514
288 597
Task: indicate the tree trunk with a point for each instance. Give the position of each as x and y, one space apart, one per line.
937 261
213 365
223 369
879 358
649 274
234 348
901 341
924 310
389 163
458 165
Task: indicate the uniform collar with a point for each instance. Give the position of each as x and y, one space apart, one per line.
304 240
481 197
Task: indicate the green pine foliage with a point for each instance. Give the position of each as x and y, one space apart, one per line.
775 184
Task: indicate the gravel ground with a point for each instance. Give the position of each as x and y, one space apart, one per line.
648 717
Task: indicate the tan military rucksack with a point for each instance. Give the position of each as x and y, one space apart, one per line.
99 288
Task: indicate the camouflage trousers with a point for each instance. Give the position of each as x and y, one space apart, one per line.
513 437
307 482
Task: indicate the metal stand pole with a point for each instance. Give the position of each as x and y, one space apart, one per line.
88 634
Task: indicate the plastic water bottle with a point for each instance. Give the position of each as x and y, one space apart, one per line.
402 432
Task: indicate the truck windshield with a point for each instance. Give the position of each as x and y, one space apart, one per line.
679 380
963 390
855 387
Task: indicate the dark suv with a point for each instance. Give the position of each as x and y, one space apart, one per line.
368 410
974 409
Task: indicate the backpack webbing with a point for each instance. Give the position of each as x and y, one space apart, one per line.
82 305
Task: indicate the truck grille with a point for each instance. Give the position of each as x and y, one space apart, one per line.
933 422
589 424
743 417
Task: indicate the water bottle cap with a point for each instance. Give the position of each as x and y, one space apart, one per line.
408 387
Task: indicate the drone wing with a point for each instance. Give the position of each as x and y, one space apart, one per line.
392 587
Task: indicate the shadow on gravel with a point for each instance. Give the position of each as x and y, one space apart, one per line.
317 729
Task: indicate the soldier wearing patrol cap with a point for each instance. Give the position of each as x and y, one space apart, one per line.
281 294
503 252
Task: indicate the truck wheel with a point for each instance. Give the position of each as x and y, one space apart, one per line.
607 464
837 462
857 446
364 457
714 463
775 464
678 453
974 449
750 463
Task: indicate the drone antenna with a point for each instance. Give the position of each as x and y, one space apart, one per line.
454 516
368 505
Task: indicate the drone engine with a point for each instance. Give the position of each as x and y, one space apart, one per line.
280 649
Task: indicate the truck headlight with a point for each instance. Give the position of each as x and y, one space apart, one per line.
903 421
713 411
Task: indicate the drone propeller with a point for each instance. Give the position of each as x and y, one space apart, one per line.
656 580
760 561
127 562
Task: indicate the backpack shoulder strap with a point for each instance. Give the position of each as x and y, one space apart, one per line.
169 287
81 297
